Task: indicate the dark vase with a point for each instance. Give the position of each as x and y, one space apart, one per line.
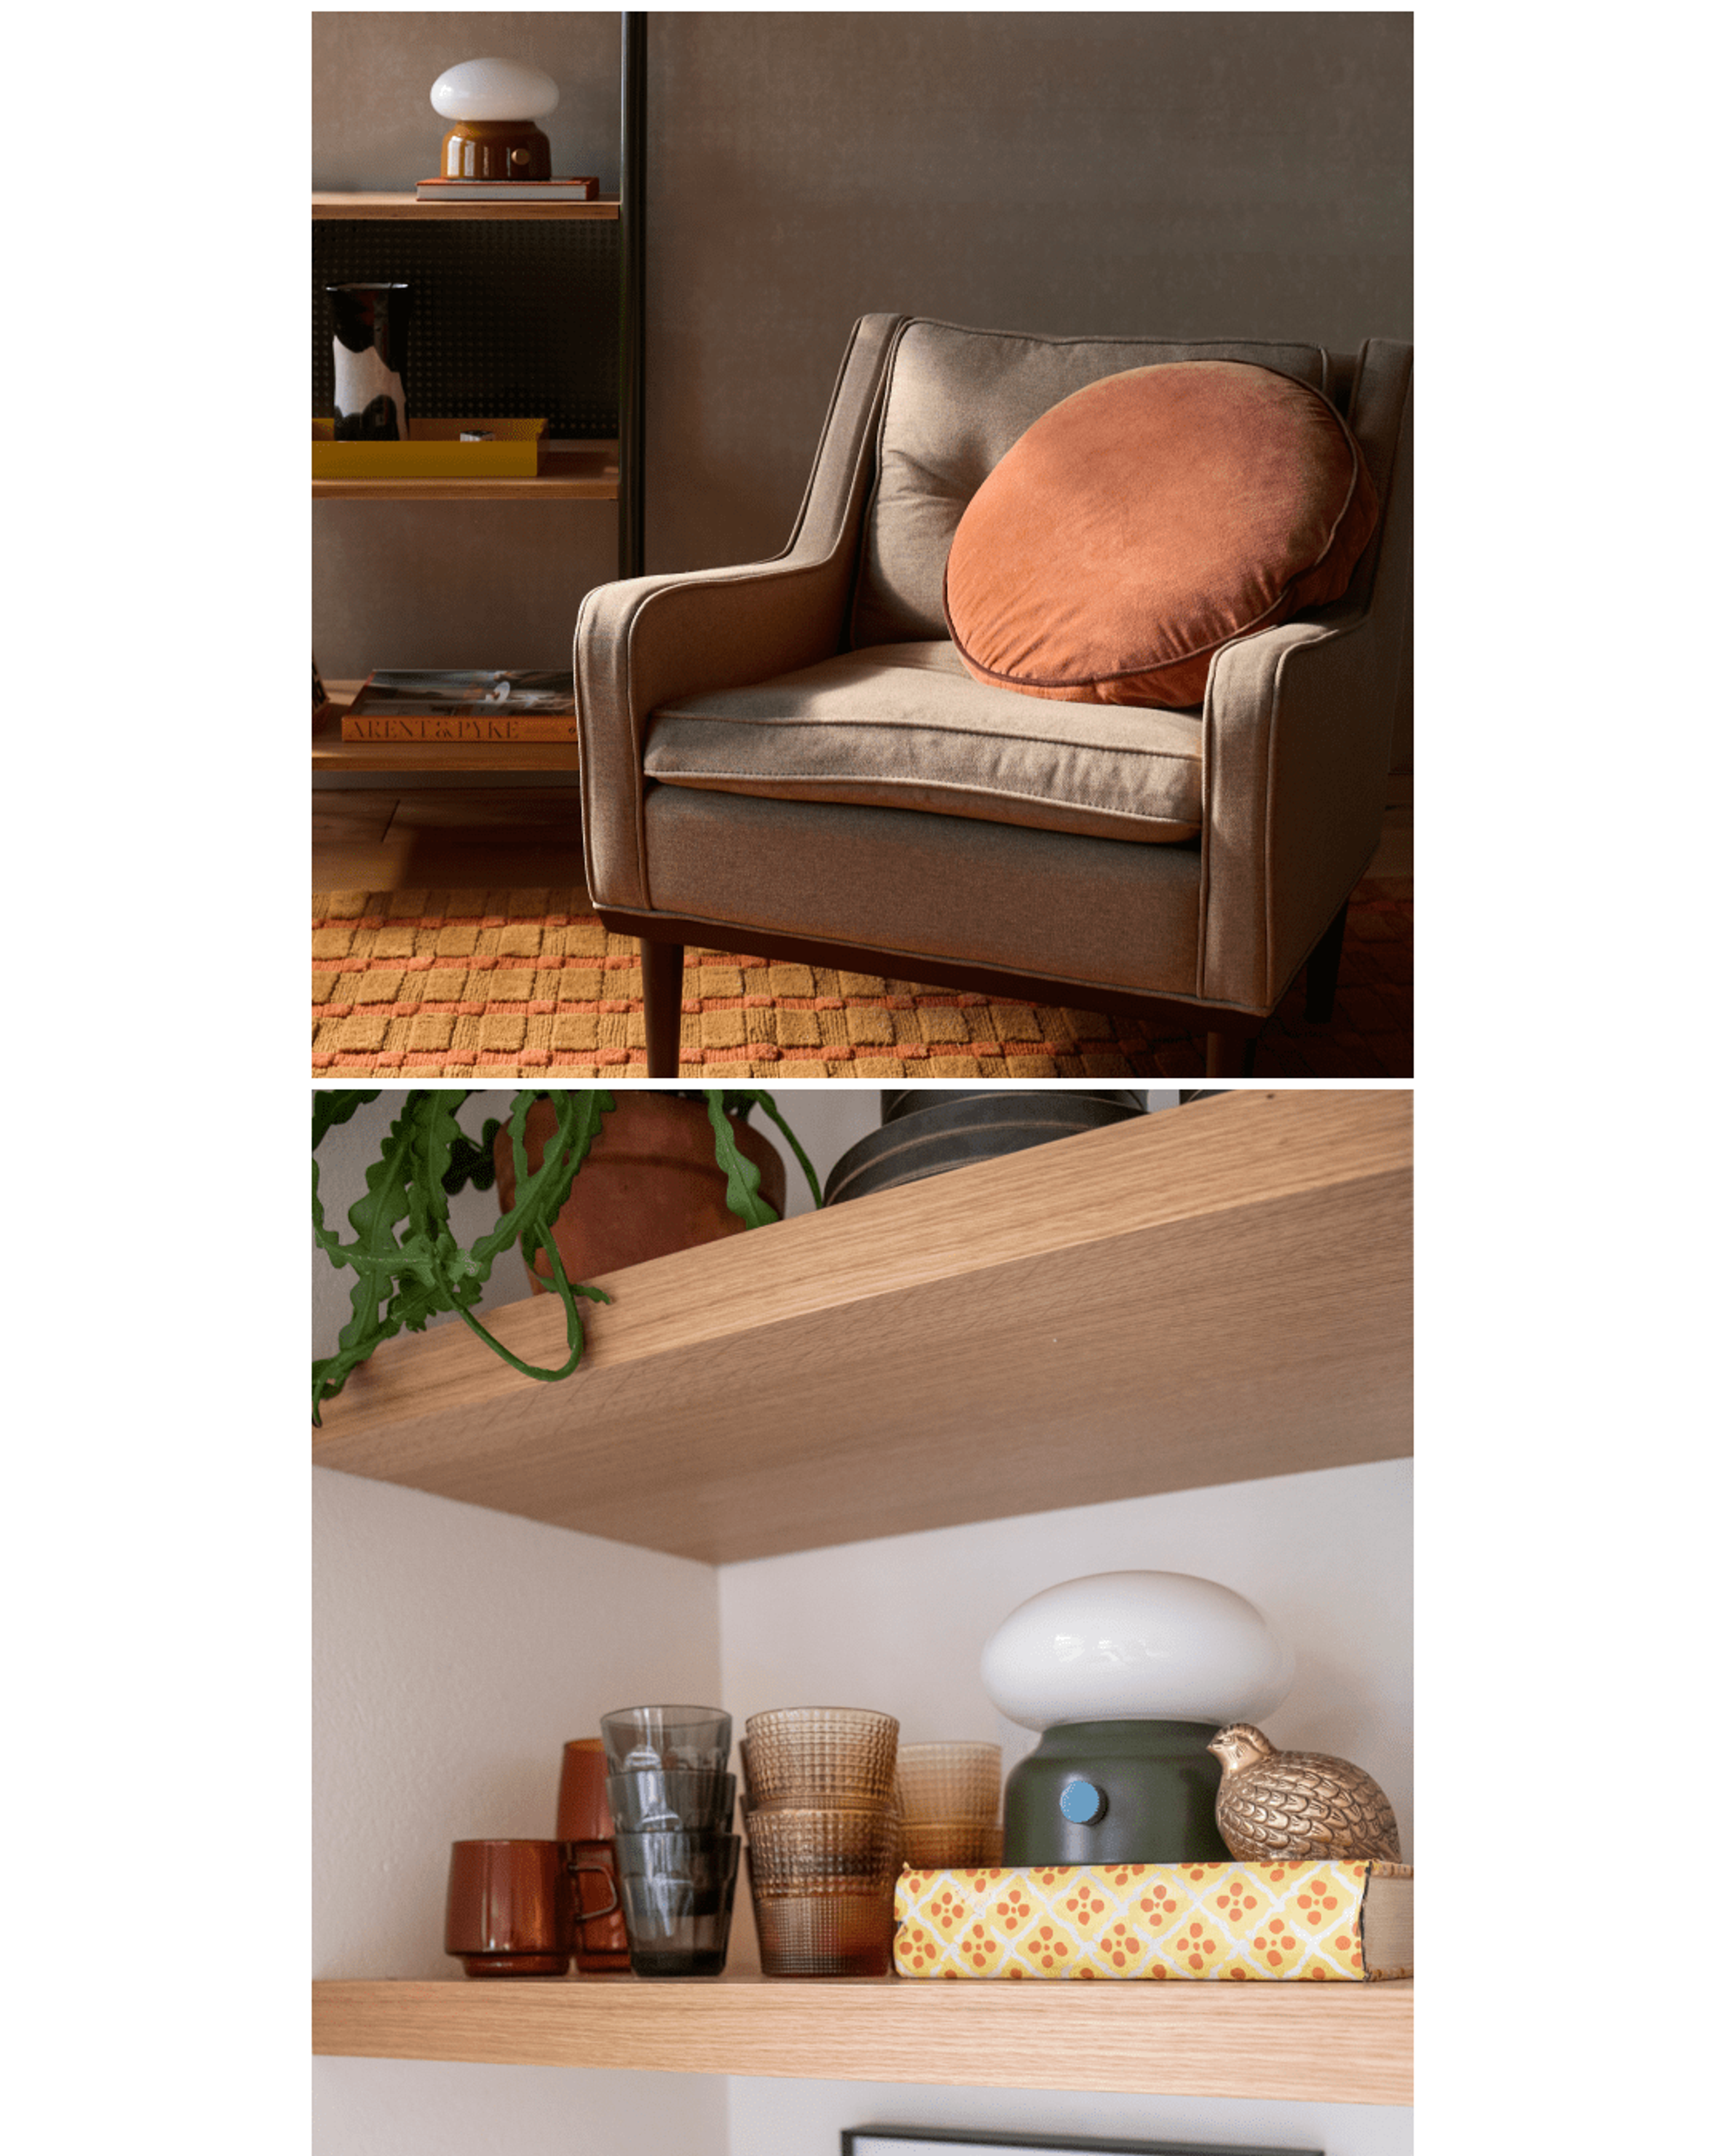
371 352
925 1131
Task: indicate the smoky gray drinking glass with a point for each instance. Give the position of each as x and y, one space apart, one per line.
650 1802
667 1739
678 1891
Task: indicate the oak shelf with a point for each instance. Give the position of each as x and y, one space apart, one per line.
371 205
1211 1294
1309 2043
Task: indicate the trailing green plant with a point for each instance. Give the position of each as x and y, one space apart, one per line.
406 1263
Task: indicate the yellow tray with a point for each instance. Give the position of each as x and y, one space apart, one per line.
434 449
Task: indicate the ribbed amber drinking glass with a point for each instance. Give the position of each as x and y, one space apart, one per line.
821 1755
797 1848
944 1845
847 1934
949 1781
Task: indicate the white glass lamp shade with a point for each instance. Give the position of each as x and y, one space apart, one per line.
1136 1646
494 89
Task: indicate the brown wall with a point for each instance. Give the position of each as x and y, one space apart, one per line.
1181 175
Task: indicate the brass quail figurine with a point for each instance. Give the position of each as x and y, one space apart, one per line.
1295 1806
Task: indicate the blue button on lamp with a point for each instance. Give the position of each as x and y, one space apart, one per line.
1083 1802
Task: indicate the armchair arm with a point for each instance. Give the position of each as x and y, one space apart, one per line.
643 641
1297 723
1295 748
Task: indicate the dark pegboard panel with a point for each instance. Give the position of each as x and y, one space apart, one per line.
511 321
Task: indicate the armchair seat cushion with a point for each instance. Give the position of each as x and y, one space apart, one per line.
903 725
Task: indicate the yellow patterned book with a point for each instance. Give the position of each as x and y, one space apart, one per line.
1334 1921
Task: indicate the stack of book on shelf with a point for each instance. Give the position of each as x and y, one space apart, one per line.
440 190
504 705
1338 1921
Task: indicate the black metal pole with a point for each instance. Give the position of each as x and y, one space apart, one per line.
632 251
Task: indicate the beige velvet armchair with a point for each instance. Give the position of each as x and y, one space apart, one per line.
788 757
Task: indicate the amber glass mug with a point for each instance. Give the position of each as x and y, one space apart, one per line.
508 1909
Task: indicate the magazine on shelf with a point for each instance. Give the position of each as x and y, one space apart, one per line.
505 703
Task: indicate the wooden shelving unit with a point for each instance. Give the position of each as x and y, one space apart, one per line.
1310 2043
1219 1292
370 206
604 471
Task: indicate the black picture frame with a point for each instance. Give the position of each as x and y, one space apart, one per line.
854 2141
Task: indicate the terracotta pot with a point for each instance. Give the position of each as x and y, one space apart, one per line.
649 1186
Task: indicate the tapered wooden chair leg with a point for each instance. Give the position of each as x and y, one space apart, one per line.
1230 1054
662 1004
1323 969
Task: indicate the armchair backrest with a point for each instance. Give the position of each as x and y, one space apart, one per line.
955 400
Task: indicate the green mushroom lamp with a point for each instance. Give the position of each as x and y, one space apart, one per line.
1127 1676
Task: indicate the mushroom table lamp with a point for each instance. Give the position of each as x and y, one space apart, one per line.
494 104
1128 1676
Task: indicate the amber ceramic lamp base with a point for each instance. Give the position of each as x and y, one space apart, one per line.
497 149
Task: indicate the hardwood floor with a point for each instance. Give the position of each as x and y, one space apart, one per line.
1395 856
392 838
518 838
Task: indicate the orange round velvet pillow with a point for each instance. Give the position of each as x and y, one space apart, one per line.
1147 519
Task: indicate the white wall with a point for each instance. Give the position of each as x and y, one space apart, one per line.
900 1623
804 2118
434 2107
455 1651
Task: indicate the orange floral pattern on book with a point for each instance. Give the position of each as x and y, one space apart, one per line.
1211 1922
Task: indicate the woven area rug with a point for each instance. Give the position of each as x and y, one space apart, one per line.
508 983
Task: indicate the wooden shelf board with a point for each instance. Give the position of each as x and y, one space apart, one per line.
1306 2043
1208 1295
372 205
329 752
585 474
